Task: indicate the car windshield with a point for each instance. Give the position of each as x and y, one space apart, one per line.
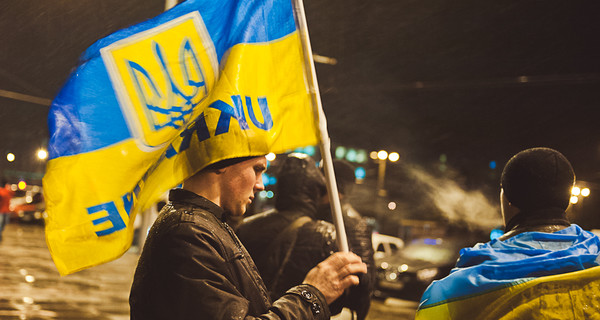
432 253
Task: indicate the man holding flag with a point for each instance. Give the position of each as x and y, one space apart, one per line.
193 265
198 94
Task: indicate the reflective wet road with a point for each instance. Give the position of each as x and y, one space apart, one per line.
32 289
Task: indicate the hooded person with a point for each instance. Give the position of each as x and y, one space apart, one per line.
288 241
543 267
358 232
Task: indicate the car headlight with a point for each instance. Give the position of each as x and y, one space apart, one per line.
392 276
402 268
426 275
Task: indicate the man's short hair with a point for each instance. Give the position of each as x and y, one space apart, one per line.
538 178
227 162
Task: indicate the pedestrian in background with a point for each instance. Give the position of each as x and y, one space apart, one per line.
5 195
358 232
287 242
194 267
543 267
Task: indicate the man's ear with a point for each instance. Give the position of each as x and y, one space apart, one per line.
220 170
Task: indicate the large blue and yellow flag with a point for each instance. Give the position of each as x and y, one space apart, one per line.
150 105
533 275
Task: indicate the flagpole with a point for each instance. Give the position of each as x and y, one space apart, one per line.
170 4
325 144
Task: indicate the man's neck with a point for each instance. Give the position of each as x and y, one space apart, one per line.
541 220
205 185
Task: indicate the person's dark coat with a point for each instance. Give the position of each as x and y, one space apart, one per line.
194 267
300 187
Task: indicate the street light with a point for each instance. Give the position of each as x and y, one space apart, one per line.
42 154
382 157
576 192
10 157
585 192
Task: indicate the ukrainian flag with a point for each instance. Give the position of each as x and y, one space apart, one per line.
534 275
150 105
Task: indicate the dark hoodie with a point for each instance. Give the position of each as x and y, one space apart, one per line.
300 186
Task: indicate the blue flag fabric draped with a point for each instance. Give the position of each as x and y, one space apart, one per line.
150 105
489 278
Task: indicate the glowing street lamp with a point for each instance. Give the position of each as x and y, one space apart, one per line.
576 192
382 156
271 156
42 154
585 192
10 157
574 199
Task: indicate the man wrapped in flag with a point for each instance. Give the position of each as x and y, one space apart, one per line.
543 267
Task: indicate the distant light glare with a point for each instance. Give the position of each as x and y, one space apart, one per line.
271 156
373 155
351 155
403 267
575 191
392 205
42 154
382 155
361 156
10 157
360 173
340 152
585 192
394 156
574 199
22 185
310 150
29 278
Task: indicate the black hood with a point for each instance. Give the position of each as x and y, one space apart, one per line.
300 185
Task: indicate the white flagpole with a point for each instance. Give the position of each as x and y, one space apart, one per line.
170 4
325 145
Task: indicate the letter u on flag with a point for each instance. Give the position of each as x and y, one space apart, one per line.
150 105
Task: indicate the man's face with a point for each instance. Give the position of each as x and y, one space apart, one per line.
240 182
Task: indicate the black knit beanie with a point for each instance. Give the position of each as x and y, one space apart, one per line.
538 178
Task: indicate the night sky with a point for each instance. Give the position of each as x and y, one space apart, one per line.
474 80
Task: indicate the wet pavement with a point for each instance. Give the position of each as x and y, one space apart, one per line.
32 289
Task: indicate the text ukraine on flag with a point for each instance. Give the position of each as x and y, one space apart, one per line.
150 105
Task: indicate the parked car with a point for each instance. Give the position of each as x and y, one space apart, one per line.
407 273
28 208
385 245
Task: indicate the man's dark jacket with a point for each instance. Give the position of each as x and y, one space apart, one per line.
300 187
194 267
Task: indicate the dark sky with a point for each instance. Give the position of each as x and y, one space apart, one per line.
475 80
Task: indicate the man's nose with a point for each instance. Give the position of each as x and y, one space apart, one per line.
259 186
